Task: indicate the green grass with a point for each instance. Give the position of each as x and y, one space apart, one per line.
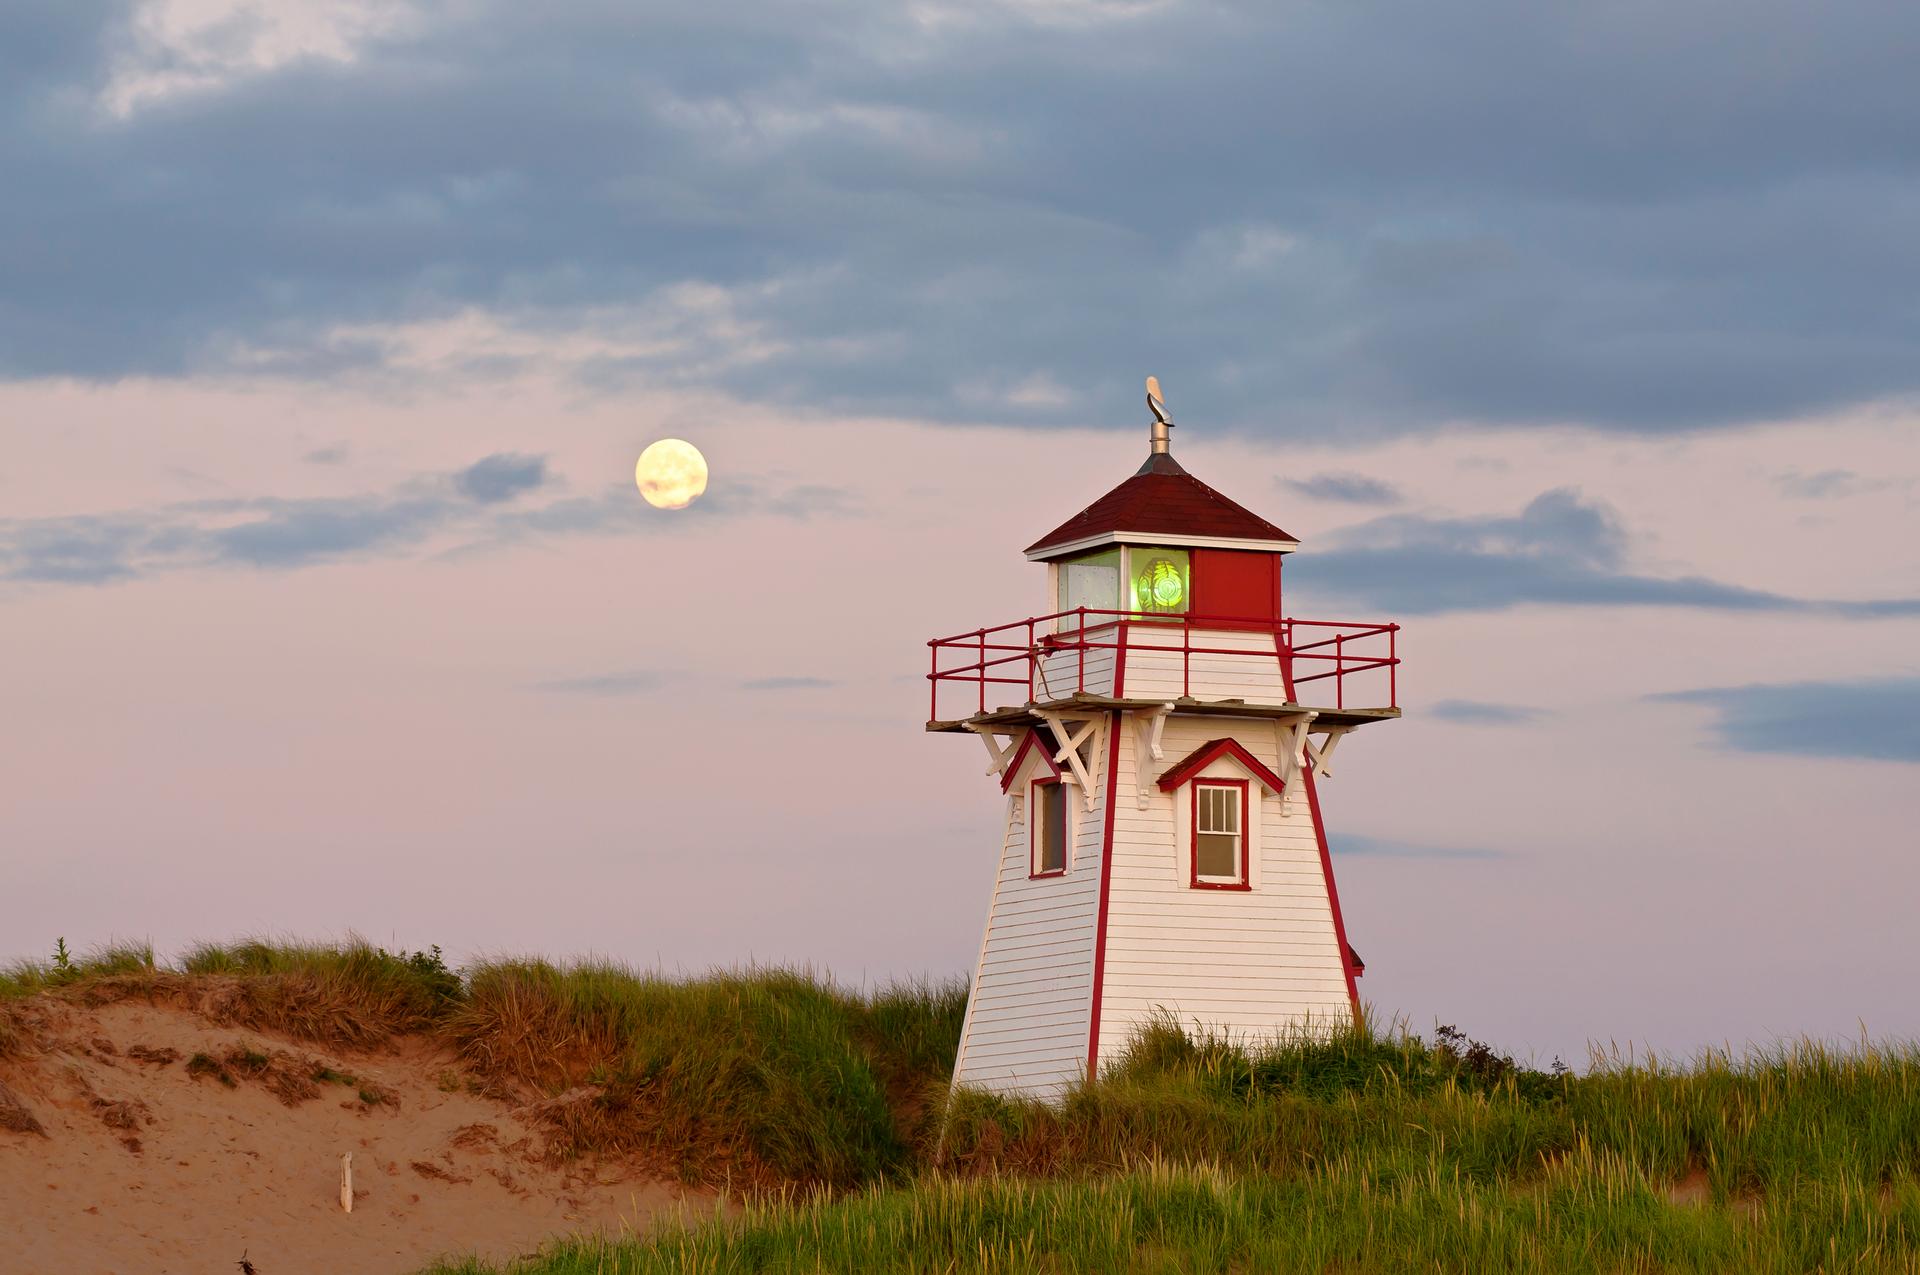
1370 1151
759 1078
27 978
1589 1213
1402 1107
1359 1150
754 1078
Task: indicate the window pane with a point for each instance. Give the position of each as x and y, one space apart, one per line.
1052 828
1160 581
1218 855
1092 582
1219 809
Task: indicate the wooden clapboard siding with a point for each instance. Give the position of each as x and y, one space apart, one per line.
1156 667
1250 963
1060 674
1027 1020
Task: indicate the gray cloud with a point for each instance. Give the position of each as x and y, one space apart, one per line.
1561 550
1348 843
1876 718
845 207
298 533
501 477
635 682
1468 712
272 533
334 455
1828 484
788 684
1347 489
77 550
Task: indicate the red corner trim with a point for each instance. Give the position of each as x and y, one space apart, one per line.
1020 758
1211 751
1326 858
1106 885
1333 897
1120 662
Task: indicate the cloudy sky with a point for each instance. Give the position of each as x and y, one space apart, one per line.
1581 339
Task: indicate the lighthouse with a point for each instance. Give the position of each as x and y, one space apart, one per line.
1157 731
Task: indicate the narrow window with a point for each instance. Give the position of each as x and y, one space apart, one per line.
1093 582
1220 834
1047 827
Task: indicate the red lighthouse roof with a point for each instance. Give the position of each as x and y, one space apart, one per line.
1162 504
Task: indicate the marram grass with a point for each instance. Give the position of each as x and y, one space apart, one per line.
755 1078
1361 1150
1585 1213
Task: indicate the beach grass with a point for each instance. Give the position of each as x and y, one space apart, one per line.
826 1113
24 978
1588 1212
1366 1152
754 1078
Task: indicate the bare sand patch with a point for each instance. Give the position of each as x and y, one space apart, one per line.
141 1139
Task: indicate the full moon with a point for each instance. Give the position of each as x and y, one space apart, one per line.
671 474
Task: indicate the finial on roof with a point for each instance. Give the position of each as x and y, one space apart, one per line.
1162 423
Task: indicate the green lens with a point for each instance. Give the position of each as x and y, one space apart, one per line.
1159 586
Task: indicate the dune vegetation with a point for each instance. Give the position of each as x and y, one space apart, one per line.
825 1112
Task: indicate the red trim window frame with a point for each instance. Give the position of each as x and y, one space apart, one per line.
1034 810
1244 881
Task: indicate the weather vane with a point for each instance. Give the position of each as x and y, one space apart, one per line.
1161 421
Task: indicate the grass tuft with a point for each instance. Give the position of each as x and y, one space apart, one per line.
63 969
757 1077
1587 1217
1348 1149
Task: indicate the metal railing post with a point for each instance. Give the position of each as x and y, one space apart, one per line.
1033 660
1080 683
982 636
1339 670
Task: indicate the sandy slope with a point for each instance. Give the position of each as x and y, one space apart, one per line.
145 1169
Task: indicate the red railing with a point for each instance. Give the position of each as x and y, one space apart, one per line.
1013 654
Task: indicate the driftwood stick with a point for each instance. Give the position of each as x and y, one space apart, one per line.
346 1181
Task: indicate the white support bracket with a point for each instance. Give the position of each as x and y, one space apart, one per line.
1070 742
1147 728
998 754
1290 746
1321 754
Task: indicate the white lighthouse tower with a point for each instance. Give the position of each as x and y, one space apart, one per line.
1157 735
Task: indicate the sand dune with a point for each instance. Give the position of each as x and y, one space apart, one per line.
142 1140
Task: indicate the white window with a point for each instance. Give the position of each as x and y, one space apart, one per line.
1047 827
1220 834
1092 582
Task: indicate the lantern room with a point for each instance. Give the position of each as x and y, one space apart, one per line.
1164 590
1163 543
